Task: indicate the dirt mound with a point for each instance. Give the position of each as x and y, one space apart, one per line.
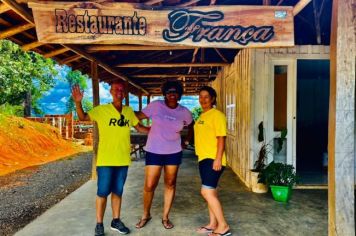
26 143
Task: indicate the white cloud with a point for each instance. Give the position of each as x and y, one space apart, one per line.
64 99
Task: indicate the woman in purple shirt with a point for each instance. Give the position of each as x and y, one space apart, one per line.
163 148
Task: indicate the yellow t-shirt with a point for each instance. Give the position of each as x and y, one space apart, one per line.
210 125
114 134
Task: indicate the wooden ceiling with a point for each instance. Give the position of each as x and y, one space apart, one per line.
146 67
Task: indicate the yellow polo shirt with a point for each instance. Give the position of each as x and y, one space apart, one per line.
211 124
114 134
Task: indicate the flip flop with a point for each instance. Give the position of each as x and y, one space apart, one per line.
167 224
204 230
143 222
227 233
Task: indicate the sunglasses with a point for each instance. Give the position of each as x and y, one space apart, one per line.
171 91
121 122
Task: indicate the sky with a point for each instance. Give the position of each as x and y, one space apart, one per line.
54 101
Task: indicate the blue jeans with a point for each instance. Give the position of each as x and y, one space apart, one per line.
111 179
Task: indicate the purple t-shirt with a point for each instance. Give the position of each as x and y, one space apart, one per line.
164 136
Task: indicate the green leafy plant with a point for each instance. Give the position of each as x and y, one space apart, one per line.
280 140
22 73
196 112
278 174
265 149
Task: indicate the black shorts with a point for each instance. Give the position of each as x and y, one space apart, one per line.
209 176
163 159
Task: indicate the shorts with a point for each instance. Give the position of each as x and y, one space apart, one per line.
209 176
163 159
111 179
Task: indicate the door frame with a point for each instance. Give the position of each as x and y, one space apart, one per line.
291 64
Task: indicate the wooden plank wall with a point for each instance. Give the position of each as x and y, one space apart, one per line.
233 85
246 83
261 65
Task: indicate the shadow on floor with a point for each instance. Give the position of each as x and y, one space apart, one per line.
246 212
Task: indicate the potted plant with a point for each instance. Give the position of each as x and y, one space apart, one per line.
260 162
281 178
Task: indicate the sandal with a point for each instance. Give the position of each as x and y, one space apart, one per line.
143 222
204 230
226 233
167 224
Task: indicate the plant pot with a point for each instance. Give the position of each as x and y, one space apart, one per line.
255 186
281 193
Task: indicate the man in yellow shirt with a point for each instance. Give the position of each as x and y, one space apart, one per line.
113 158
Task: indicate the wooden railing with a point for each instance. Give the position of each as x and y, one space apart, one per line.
64 123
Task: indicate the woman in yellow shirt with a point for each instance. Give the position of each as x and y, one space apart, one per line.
210 133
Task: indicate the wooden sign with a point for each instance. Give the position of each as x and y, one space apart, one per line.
124 23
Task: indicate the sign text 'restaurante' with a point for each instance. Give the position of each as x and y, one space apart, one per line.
185 24
95 24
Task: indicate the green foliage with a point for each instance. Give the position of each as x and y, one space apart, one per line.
21 72
281 139
13 110
196 111
266 148
278 174
76 77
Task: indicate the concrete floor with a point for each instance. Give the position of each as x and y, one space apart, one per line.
246 212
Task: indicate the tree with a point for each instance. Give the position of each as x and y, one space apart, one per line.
76 77
23 72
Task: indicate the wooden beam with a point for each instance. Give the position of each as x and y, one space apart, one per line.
152 2
193 59
4 8
220 54
70 59
104 66
280 2
32 45
300 6
95 48
55 52
15 30
189 3
173 75
317 23
186 82
202 55
8 24
19 10
170 65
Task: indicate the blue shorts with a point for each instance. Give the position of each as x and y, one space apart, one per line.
209 176
163 159
111 179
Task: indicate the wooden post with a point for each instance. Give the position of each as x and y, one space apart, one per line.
140 102
95 83
127 100
341 121
96 102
